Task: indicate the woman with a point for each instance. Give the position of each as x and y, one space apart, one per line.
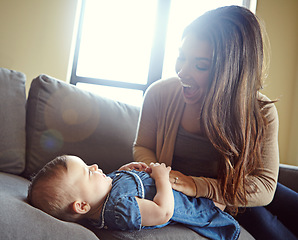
211 124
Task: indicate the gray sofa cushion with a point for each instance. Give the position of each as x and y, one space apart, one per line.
170 232
288 175
62 119
12 121
19 220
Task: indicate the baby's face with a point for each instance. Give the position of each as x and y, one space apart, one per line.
91 183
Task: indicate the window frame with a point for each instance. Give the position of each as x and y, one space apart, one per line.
157 51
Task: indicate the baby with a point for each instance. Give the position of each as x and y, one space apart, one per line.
68 189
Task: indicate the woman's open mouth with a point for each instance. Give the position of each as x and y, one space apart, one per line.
189 91
185 85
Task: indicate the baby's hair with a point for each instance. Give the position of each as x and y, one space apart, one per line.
50 192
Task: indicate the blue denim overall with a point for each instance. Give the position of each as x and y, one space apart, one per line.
121 211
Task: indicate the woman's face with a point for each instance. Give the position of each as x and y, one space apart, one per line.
193 67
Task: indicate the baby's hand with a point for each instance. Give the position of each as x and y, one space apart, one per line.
138 166
159 171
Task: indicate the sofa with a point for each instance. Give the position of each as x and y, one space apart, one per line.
58 118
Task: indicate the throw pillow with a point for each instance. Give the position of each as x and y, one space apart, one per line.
63 119
12 121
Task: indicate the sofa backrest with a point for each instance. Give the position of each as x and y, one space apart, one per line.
12 121
63 119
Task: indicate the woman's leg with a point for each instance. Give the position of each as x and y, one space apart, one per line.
285 206
262 225
278 224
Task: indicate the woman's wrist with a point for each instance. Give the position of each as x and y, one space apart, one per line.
195 188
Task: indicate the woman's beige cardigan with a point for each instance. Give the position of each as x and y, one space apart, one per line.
159 121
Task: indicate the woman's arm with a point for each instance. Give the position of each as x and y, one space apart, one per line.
144 147
159 121
144 154
161 209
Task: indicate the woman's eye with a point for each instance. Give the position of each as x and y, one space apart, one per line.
202 68
90 172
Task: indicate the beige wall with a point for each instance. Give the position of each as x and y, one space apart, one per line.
36 37
281 19
293 137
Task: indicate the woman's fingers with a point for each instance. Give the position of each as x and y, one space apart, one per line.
139 166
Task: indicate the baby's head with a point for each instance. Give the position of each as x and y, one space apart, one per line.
68 189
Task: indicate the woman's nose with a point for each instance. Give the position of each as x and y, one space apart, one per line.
183 71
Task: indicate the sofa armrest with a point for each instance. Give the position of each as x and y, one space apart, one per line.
288 176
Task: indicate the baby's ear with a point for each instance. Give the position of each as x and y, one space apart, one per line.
81 207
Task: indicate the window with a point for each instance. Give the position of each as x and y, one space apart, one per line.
124 46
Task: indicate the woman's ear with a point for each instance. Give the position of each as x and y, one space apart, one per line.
81 207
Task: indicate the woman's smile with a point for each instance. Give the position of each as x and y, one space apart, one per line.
190 92
192 67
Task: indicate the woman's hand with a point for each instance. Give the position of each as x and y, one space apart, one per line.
183 183
138 166
186 185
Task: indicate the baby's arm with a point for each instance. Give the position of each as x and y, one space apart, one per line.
161 209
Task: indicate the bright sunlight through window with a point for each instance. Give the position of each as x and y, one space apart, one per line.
117 38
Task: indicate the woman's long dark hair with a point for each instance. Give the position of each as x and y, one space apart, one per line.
232 113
